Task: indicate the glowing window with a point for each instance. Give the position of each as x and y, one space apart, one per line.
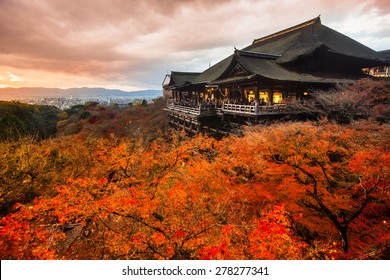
249 95
263 97
278 97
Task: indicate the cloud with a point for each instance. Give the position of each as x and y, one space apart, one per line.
137 42
14 78
8 77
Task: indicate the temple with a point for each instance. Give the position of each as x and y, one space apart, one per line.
262 79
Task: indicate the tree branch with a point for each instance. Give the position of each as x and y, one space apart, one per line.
140 220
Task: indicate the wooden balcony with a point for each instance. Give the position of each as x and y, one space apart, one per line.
250 110
194 111
232 109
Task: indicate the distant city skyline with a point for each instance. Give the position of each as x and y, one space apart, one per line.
132 45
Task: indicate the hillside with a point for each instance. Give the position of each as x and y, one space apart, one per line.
18 120
122 185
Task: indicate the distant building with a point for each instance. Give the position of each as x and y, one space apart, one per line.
263 78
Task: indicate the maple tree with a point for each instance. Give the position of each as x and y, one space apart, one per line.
365 99
332 172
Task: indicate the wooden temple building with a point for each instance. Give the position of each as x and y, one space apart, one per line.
262 79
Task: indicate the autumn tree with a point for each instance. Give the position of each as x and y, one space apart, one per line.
363 100
332 172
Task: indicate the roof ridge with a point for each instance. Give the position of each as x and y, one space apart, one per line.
256 54
288 30
185 73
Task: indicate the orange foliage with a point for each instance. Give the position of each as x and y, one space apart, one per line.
280 192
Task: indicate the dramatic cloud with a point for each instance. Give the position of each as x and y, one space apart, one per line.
133 44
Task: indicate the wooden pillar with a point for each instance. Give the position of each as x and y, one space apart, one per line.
241 93
257 95
257 99
271 96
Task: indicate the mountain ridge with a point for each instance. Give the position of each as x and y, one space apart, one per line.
77 92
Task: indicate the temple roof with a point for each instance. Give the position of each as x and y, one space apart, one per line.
179 79
385 53
298 53
288 30
308 36
266 67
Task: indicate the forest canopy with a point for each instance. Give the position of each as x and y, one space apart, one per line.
118 188
18 120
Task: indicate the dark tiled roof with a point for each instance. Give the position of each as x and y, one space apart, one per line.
288 30
385 53
305 38
179 79
268 68
270 56
228 80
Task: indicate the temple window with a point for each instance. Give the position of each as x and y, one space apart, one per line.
278 97
263 97
249 95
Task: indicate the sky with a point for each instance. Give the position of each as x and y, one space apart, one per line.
132 45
